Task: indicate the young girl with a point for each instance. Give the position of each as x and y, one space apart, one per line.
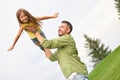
25 20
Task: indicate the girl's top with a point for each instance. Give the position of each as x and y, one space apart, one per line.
31 24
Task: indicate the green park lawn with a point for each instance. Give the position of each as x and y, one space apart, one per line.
108 68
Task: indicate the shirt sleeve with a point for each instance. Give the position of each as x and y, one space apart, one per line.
53 57
56 43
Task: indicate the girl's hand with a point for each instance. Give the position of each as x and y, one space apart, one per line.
9 49
55 15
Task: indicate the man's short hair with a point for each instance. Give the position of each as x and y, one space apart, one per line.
69 24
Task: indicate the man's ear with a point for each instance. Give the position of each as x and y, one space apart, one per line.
68 30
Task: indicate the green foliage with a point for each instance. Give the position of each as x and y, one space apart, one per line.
117 3
97 50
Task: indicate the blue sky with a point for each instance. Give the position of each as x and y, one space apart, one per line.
96 18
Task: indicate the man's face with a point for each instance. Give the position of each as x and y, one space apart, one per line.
63 29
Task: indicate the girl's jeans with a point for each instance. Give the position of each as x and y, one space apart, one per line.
35 40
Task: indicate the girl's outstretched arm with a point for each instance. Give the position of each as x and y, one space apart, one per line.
16 39
55 15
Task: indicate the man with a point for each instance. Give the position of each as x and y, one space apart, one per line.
66 54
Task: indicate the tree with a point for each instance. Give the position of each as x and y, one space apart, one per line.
97 50
118 6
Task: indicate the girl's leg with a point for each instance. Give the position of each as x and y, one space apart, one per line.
35 41
42 33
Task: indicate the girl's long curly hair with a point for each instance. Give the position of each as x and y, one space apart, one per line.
30 17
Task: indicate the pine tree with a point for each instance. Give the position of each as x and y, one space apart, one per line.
97 50
118 6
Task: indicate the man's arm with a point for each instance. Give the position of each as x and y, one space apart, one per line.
41 39
48 53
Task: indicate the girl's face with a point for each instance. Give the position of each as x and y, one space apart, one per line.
23 17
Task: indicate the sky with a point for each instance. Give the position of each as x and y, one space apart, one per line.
96 18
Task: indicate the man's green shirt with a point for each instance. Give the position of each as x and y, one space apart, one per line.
66 55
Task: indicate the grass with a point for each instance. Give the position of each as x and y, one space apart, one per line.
108 68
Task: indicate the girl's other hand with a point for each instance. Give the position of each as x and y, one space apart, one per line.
55 15
9 49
